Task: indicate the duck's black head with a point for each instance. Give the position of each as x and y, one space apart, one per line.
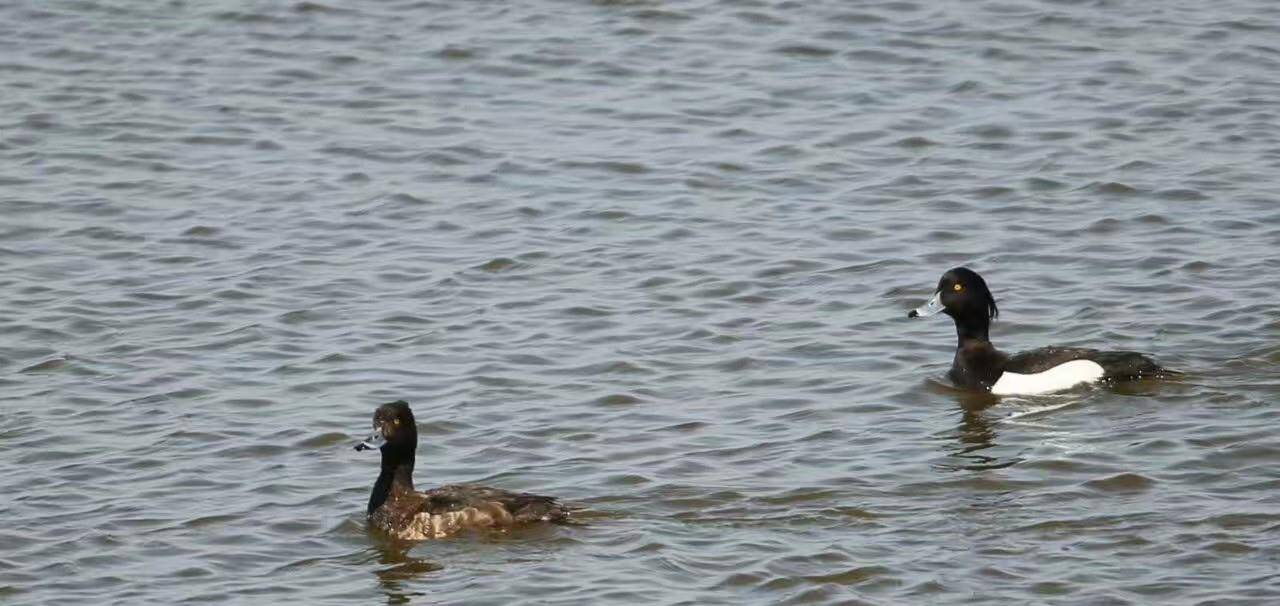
394 430
963 295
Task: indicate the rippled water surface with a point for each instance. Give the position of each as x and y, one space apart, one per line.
650 257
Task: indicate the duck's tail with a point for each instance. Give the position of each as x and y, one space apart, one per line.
1131 365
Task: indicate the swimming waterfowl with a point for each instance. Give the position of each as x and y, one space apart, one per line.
963 295
399 510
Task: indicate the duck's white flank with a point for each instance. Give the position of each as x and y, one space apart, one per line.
1062 376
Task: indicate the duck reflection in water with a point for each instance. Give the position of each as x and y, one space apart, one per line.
399 569
975 434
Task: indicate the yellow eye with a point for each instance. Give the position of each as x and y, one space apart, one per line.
397 421
957 288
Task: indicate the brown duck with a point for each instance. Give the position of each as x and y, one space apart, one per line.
399 510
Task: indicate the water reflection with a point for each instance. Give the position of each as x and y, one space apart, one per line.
399 569
968 444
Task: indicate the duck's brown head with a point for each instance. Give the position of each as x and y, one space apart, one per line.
394 429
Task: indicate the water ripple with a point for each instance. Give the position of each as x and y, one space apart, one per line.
649 256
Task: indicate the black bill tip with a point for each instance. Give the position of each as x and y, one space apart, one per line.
913 313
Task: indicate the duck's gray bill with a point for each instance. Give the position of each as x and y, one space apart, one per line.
928 309
373 442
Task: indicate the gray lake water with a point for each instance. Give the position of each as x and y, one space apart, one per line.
653 258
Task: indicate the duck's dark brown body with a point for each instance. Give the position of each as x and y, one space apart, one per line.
448 510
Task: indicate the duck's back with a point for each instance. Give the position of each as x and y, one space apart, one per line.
520 507
1116 365
451 509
